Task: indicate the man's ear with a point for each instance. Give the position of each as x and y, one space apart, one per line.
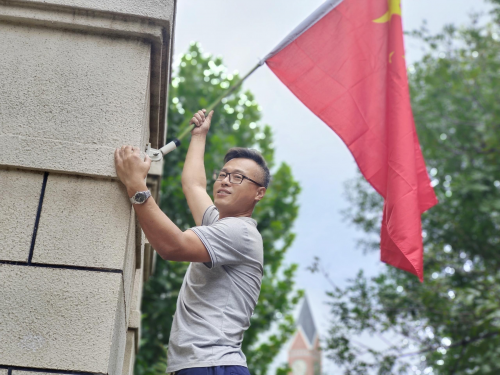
261 191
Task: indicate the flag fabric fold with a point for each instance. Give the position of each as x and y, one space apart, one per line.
346 63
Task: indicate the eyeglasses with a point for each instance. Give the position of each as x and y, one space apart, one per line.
234 178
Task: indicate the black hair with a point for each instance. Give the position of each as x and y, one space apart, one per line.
256 156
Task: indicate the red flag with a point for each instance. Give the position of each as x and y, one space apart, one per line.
346 63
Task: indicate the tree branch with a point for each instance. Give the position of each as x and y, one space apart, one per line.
457 362
462 343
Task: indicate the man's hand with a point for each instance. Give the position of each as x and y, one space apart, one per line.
131 169
202 123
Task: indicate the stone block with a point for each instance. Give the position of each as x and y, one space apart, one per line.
3 371
84 222
20 194
134 324
128 363
140 242
21 372
134 319
61 319
134 316
119 340
138 288
72 98
129 266
153 9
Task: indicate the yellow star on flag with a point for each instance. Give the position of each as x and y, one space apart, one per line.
394 8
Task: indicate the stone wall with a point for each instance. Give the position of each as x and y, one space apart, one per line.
78 79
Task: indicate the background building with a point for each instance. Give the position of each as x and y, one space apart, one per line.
79 78
304 355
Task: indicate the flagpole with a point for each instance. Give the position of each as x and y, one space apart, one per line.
324 9
214 104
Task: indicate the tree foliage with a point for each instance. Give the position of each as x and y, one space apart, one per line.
451 323
199 80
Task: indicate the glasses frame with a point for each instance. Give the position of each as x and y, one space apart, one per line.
216 177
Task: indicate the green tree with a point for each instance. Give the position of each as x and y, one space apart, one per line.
199 80
451 323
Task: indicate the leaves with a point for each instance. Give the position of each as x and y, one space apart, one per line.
199 80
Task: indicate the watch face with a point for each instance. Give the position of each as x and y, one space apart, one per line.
140 197
299 367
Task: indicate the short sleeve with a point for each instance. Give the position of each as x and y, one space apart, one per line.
210 216
228 242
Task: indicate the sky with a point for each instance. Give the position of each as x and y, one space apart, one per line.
242 32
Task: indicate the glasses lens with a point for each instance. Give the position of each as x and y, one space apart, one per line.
220 176
236 178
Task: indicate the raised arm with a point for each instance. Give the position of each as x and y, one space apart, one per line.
194 180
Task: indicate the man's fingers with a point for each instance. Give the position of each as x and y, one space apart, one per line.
199 119
118 159
195 120
126 149
148 161
209 117
129 151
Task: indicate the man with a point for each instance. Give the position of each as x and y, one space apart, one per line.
222 284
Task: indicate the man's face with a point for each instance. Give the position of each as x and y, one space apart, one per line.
239 198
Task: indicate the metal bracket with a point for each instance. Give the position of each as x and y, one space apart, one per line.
157 155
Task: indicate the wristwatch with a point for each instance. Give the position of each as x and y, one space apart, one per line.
140 197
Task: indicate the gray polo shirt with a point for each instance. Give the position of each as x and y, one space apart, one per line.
217 299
